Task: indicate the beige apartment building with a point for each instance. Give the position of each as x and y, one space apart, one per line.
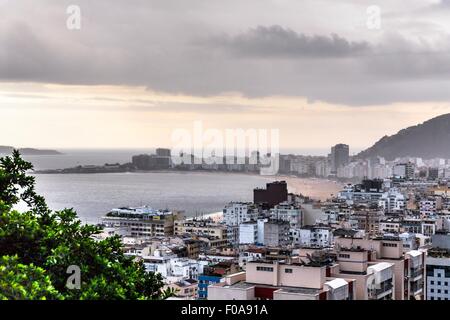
186 289
373 280
200 228
142 222
264 280
364 269
408 267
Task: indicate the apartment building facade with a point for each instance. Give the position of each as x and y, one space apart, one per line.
264 280
408 267
236 213
142 222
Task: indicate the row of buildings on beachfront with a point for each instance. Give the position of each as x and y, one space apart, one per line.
378 239
338 164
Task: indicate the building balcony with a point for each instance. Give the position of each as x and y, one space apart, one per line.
415 291
385 290
415 274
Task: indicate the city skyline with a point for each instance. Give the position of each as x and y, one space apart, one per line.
241 153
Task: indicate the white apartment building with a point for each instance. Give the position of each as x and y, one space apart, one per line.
276 233
403 170
392 201
315 236
415 273
172 268
299 166
248 233
409 241
260 224
430 206
159 265
144 222
353 170
390 225
236 213
322 168
351 195
380 171
438 275
289 212
183 269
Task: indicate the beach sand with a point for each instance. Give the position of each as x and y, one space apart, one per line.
318 189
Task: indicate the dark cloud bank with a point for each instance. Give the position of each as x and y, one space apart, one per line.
261 61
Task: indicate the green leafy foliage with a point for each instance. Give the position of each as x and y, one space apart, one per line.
40 245
24 282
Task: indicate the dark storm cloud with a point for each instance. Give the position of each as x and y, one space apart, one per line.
191 47
278 42
444 4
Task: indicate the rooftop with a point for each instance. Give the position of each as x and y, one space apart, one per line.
345 232
353 249
138 212
438 253
298 290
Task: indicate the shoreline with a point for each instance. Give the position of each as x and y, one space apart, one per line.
315 188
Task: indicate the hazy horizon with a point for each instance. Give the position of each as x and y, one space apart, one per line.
297 151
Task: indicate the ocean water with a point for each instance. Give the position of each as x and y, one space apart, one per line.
75 157
93 195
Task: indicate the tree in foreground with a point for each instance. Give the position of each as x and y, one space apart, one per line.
38 246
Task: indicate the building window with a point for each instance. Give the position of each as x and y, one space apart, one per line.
269 269
288 270
345 256
393 245
431 282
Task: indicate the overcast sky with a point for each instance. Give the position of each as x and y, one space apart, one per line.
137 70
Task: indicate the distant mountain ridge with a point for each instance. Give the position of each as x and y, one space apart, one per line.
29 151
428 140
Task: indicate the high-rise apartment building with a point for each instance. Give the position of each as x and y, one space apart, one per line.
403 170
340 156
438 268
274 193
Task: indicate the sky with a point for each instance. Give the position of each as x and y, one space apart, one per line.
321 72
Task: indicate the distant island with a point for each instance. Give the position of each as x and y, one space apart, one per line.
29 151
106 168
